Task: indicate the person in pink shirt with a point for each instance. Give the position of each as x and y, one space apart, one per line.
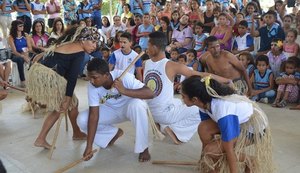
53 9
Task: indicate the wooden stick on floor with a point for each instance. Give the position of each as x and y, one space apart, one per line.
170 162
66 118
71 165
16 88
55 136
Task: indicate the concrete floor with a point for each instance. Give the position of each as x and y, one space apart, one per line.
18 131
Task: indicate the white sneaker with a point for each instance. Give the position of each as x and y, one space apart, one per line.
264 100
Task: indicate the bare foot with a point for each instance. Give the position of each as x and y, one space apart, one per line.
296 107
80 136
169 131
41 143
117 136
144 156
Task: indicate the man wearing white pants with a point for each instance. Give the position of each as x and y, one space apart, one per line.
113 101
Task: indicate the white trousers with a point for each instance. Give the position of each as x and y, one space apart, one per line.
181 119
135 111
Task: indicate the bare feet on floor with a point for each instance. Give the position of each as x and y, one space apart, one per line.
79 136
296 107
144 156
41 143
169 131
116 137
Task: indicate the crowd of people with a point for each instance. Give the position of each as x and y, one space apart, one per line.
254 52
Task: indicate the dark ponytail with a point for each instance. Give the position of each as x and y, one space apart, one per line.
194 87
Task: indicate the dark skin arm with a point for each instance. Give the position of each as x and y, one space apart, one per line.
141 93
230 155
92 127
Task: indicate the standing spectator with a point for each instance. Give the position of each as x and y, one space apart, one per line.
85 9
138 21
6 8
267 33
146 6
144 30
20 44
137 6
208 17
119 7
58 28
70 11
53 9
23 13
39 36
38 10
96 15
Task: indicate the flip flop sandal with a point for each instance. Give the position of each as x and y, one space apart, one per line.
282 104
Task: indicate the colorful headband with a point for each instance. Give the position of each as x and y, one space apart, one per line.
206 80
89 33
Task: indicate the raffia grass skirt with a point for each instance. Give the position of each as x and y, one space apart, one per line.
254 147
46 87
241 87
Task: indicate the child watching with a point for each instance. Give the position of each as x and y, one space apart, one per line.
276 56
105 53
244 41
288 89
199 38
182 59
248 62
239 17
137 48
192 61
262 81
144 30
290 47
174 54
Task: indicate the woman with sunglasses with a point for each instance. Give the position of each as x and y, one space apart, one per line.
56 89
20 44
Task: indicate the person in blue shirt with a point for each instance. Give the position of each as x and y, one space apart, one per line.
96 15
84 9
229 123
23 8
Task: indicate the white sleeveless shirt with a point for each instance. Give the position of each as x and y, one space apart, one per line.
156 79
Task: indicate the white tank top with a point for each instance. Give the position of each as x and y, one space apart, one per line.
156 79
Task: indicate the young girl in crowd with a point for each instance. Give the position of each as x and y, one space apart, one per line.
276 56
199 38
290 47
175 19
192 61
105 24
251 9
240 122
288 89
247 60
58 28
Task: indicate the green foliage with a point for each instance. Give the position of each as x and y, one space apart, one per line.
106 7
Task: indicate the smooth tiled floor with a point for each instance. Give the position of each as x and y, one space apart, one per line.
18 131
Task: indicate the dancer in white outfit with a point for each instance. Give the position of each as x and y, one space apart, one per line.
175 118
111 106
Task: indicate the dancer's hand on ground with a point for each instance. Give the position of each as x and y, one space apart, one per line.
118 84
3 83
88 151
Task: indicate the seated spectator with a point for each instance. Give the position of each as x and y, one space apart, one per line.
105 25
238 19
276 56
287 23
58 28
137 48
137 21
105 54
167 11
5 70
248 62
182 59
288 90
199 37
117 26
192 61
20 44
174 23
262 81
89 22
166 28
155 22
182 37
244 41
290 47
39 37
174 54
223 32
268 33
196 14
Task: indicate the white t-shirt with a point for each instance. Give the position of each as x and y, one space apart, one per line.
112 97
39 7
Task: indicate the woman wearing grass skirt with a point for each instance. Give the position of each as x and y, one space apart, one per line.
234 131
52 82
